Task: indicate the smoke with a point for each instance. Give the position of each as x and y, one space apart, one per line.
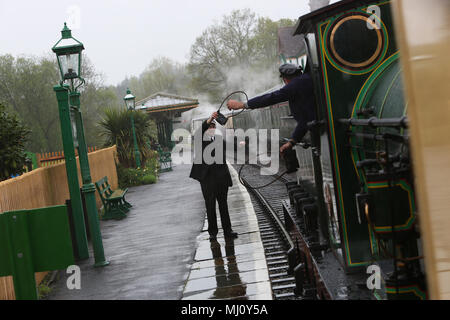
249 79
317 4
205 109
252 80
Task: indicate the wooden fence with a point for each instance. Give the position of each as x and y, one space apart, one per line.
47 186
51 158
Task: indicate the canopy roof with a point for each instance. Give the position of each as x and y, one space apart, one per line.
161 102
289 45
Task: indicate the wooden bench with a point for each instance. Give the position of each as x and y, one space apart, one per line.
165 160
113 201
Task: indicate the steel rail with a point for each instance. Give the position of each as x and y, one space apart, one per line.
291 251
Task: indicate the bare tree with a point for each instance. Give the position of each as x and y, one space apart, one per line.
226 53
220 47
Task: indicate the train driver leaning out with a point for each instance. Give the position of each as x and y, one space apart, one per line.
298 90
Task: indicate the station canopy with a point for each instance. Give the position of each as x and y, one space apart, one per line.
291 48
166 103
166 110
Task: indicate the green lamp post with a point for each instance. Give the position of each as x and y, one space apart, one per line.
68 51
130 101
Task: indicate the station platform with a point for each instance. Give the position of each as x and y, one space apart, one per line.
161 251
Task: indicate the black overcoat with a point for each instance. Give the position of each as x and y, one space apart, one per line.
216 172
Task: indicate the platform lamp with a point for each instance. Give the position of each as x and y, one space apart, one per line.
68 51
130 103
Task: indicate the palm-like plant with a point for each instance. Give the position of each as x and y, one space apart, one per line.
116 129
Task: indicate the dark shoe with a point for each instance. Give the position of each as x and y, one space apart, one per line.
232 235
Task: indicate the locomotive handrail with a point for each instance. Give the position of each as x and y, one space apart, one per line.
303 144
314 124
366 111
380 137
366 163
376 122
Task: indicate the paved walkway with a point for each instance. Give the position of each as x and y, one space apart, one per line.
151 251
162 249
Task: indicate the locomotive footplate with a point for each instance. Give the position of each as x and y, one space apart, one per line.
321 272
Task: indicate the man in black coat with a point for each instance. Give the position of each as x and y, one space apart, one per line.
298 90
215 179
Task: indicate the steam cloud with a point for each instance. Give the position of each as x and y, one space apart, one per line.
238 78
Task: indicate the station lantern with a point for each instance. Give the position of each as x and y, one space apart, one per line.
68 51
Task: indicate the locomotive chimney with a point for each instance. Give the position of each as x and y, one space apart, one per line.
317 4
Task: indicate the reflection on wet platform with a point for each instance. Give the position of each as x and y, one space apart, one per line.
229 277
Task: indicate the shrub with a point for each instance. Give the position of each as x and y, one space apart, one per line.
148 179
13 136
130 177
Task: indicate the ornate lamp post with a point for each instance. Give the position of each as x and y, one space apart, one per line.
68 51
130 101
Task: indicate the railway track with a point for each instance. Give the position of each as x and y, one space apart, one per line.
277 242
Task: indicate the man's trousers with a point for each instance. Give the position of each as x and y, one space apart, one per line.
215 191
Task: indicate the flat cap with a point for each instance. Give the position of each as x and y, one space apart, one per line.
290 70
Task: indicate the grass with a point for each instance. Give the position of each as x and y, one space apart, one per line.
44 289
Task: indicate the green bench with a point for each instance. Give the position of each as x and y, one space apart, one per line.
113 201
165 160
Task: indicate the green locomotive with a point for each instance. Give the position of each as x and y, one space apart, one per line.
365 178
354 197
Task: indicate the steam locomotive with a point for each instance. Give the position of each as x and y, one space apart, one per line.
355 178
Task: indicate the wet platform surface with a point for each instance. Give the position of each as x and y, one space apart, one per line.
162 249
231 268
152 250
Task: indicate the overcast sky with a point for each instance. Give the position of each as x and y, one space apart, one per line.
122 37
